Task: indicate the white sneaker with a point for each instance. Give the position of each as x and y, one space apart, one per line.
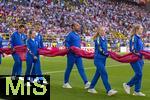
45 82
67 85
87 85
112 92
139 94
126 88
92 91
35 80
28 84
13 78
21 78
28 78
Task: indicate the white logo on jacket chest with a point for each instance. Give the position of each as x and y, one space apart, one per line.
36 42
39 37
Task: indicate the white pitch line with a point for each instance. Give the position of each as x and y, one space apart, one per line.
62 71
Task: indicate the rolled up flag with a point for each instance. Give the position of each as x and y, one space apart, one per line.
53 52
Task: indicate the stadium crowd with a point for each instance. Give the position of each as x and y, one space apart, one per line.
56 18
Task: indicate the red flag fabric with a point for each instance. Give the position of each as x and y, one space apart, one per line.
7 51
146 54
127 58
20 50
53 52
82 53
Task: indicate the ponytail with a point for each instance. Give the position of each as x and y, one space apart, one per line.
95 35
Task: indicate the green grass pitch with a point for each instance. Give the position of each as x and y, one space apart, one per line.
118 73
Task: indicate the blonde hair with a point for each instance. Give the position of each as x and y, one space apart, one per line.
99 30
136 27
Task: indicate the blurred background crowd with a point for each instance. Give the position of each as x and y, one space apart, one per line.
56 16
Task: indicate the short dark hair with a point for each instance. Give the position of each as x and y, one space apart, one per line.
21 26
73 24
30 31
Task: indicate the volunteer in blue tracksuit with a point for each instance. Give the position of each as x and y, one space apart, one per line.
32 57
1 40
100 57
73 39
17 41
136 45
39 39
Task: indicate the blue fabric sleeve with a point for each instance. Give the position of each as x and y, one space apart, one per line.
67 41
29 48
41 42
135 44
12 41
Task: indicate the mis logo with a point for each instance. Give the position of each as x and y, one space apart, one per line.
17 89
